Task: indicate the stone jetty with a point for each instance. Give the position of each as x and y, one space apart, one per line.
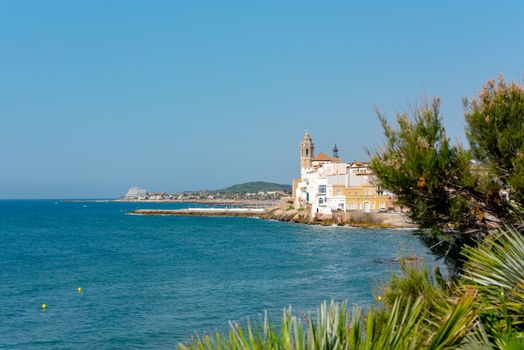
242 212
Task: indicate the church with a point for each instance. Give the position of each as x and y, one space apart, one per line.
327 184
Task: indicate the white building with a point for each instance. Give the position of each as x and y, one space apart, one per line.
135 193
326 184
318 173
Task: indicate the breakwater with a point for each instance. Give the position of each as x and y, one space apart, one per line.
243 212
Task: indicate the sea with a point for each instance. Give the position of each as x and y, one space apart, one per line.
151 282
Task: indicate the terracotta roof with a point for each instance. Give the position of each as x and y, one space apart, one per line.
324 157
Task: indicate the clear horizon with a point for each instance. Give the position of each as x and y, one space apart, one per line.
100 97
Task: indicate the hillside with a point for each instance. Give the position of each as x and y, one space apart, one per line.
255 186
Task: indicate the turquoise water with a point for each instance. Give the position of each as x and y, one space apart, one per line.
150 282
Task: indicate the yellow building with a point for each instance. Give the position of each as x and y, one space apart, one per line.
365 198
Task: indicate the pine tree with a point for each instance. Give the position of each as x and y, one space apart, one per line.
456 194
495 130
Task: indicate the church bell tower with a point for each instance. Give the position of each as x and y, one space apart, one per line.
307 152
335 151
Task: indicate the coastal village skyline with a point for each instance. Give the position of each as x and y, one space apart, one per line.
324 184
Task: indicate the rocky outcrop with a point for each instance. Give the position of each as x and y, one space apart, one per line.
285 211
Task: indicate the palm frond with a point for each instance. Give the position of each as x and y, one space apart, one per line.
496 269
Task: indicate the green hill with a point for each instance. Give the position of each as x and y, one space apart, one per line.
255 186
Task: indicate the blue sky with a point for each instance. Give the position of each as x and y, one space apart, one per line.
98 96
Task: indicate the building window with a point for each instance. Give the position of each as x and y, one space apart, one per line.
382 205
339 192
321 189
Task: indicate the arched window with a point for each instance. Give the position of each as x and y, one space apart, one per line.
307 152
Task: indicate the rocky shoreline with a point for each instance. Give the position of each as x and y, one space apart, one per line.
284 211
